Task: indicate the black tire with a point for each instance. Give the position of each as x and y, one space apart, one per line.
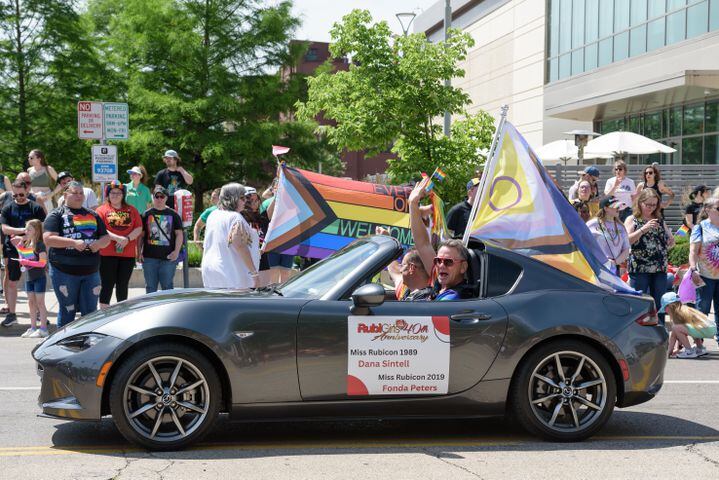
560 411
148 420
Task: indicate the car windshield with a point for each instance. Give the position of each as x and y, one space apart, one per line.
320 277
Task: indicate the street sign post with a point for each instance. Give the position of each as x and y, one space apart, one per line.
89 120
116 120
104 163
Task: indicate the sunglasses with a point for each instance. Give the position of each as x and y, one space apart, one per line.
446 261
618 169
160 195
18 195
649 172
650 205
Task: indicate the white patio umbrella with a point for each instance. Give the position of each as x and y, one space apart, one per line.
563 150
621 143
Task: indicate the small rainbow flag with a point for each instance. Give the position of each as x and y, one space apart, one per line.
26 253
682 231
439 174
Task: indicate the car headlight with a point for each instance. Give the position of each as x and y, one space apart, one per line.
83 341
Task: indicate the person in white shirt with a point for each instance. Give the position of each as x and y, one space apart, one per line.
63 179
231 255
621 188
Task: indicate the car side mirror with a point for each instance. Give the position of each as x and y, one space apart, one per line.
365 297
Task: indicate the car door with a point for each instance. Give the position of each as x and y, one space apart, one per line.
476 332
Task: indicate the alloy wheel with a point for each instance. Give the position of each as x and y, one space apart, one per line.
166 399
567 391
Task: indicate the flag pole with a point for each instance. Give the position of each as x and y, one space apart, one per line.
483 181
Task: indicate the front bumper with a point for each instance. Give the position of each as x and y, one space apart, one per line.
69 379
645 351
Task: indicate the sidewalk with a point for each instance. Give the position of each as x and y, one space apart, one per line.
23 316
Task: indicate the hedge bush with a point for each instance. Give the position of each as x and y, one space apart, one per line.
679 254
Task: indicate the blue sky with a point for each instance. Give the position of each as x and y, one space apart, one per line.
318 15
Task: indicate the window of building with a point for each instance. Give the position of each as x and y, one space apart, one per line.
692 150
711 117
311 55
637 40
619 29
693 119
638 11
711 149
655 34
697 19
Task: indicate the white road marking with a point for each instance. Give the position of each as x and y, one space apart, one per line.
13 389
710 382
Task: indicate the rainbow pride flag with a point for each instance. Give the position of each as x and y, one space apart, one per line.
520 208
26 253
682 231
315 215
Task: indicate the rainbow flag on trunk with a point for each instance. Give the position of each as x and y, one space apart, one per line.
315 214
520 208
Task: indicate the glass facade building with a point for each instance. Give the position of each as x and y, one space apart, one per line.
692 129
583 35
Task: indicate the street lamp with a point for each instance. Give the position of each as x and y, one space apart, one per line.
447 82
405 17
581 138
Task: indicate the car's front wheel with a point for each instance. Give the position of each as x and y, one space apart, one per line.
564 391
165 396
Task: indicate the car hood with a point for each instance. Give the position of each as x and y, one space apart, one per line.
97 319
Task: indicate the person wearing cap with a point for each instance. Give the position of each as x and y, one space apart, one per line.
458 215
162 242
610 233
138 195
686 322
174 177
591 175
202 221
74 236
63 180
232 248
117 260
13 218
696 202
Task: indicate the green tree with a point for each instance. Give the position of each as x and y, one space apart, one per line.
47 63
393 95
202 77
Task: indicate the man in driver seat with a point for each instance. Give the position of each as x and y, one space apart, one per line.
451 261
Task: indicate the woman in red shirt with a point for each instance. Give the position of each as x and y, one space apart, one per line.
117 260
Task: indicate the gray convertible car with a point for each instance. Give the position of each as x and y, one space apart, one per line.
536 344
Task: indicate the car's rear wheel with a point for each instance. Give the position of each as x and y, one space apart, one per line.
165 396
564 391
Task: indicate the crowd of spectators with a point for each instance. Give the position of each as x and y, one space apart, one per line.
92 248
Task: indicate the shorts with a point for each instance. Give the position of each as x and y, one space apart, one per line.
707 332
14 270
280 260
38 285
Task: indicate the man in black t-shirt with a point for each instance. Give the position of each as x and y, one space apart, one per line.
172 178
162 242
458 215
74 236
13 218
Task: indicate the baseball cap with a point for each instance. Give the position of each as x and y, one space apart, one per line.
171 153
592 170
699 189
472 183
62 175
135 170
667 299
159 189
250 191
611 202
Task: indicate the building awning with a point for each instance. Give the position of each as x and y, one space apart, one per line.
652 94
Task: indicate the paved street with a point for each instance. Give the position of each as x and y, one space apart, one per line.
676 434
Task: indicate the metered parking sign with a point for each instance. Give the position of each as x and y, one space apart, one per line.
104 163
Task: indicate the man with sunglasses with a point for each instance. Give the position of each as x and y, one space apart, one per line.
451 261
13 218
162 242
411 282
